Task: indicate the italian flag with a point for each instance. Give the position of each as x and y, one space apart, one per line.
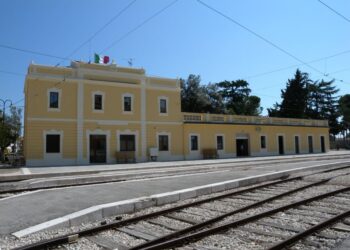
101 59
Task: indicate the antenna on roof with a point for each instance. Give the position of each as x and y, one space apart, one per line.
130 61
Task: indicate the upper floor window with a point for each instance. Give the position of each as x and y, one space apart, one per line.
54 99
98 101
127 103
163 105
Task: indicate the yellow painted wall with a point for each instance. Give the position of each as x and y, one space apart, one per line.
37 99
174 106
35 139
113 103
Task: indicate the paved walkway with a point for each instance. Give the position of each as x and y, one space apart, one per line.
27 210
6 171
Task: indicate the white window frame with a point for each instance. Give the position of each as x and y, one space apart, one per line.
190 142
223 142
53 155
56 90
128 132
169 141
167 105
132 103
93 101
261 148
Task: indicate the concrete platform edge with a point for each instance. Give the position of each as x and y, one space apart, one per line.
101 211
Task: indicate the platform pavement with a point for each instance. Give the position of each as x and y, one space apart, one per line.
15 171
31 209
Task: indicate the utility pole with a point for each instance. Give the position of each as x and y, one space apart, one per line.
4 107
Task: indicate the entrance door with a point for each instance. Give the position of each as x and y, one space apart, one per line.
323 146
242 147
280 145
296 143
311 146
98 152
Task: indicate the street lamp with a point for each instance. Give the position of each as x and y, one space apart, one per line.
4 107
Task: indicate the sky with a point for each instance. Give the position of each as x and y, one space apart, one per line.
173 39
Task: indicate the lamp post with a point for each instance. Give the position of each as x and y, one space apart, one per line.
4 107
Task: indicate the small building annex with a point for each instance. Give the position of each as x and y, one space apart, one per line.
95 113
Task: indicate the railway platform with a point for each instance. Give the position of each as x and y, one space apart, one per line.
27 210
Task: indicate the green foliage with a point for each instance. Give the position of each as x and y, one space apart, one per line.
344 108
10 128
227 97
294 97
193 95
304 98
237 99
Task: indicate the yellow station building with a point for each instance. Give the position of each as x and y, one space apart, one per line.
95 113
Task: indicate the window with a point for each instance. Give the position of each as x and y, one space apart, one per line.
53 103
127 142
98 102
219 142
127 103
163 106
263 142
194 142
52 143
163 143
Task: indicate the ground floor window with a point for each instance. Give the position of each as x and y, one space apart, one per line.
53 143
127 142
219 142
163 143
263 142
194 142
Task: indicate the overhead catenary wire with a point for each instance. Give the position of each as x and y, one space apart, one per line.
334 11
32 52
138 26
100 30
263 38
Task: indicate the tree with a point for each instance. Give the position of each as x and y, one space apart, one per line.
344 108
216 104
294 97
237 99
10 129
193 96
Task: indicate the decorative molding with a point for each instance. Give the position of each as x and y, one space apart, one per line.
129 132
107 133
167 105
132 104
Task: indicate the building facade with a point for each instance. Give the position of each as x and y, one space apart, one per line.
88 113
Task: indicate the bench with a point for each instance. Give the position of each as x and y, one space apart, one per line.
210 153
125 156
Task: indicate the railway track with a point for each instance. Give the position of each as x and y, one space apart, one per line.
244 212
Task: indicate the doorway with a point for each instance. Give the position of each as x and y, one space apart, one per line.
296 143
323 146
98 152
242 147
311 146
280 145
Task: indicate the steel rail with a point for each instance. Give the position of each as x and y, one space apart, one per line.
207 232
67 237
293 239
218 218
